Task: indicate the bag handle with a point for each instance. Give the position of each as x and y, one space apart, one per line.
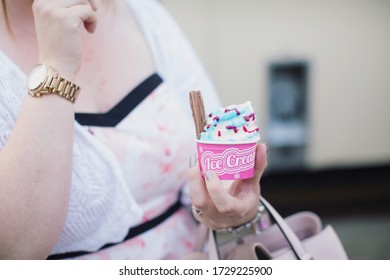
288 233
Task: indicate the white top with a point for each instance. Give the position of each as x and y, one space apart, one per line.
102 206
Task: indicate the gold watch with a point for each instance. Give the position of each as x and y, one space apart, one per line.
45 80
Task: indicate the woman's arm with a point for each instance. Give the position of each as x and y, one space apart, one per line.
36 162
35 173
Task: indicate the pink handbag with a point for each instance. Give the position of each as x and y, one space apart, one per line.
299 236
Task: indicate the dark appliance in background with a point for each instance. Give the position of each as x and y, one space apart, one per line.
287 129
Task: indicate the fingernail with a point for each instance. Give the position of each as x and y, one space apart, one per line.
266 148
208 175
193 159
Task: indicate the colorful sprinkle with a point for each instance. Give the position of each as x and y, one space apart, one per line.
249 117
234 109
250 131
232 127
223 121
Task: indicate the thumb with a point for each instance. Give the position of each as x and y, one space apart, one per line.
223 201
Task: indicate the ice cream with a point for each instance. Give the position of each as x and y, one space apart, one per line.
226 139
235 123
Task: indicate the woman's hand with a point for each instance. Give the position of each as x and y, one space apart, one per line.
59 25
223 207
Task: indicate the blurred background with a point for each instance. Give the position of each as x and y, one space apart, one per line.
318 76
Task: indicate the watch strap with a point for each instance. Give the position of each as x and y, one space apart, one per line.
63 88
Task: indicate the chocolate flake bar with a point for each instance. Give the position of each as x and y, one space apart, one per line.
198 111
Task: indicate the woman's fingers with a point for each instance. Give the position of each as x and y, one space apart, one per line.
260 164
93 4
86 15
59 27
227 209
226 206
85 10
227 201
223 201
199 195
209 192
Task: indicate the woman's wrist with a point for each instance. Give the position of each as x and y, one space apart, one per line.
69 72
254 223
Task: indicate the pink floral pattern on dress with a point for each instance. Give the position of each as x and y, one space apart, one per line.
152 145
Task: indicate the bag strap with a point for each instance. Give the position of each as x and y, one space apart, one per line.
288 233
213 246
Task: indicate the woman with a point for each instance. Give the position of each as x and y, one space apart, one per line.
81 168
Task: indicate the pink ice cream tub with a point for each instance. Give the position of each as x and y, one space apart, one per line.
230 160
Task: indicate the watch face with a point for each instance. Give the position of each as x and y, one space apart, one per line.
36 77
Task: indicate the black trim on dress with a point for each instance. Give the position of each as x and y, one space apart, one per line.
133 232
123 108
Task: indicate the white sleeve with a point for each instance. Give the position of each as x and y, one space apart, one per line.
5 127
12 93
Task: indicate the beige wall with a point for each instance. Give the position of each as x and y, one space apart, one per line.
347 43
